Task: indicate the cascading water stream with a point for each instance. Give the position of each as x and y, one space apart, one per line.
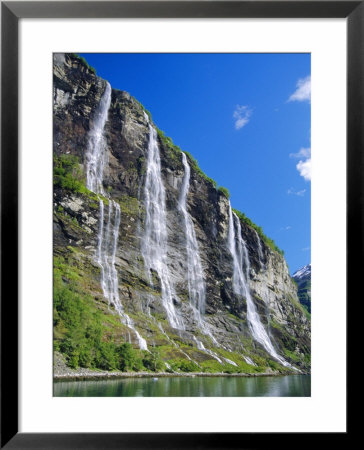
107 237
249 360
176 345
196 283
200 346
260 250
154 244
240 257
95 154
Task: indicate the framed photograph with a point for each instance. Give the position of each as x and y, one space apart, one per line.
160 155
160 280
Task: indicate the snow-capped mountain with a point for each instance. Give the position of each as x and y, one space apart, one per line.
303 273
303 279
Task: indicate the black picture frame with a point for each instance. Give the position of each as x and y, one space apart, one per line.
11 12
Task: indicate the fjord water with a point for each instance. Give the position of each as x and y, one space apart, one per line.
282 386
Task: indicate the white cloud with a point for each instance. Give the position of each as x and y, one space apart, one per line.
288 227
303 91
304 168
241 115
306 249
294 192
302 153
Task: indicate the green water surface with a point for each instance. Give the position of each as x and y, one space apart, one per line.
283 386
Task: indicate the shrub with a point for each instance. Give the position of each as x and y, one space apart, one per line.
84 62
196 168
79 332
126 356
129 205
224 191
143 108
67 173
106 358
259 230
184 365
153 360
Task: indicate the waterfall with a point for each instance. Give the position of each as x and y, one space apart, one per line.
107 238
196 284
241 266
95 155
229 361
201 347
260 250
177 346
154 244
249 360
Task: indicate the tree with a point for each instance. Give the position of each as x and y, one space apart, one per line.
153 360
127 357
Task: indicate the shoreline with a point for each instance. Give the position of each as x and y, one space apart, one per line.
119 375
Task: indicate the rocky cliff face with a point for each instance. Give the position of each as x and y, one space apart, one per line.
228 343
303 280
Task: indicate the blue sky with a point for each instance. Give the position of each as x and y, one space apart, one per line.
246 118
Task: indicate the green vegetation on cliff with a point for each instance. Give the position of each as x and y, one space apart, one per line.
143 108
77 324
67 173
84 62
224 191
304 295
89 336
174 151
259 230
82 331
196 168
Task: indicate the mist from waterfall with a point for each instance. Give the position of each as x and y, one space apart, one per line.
154 243
107 236
241 270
